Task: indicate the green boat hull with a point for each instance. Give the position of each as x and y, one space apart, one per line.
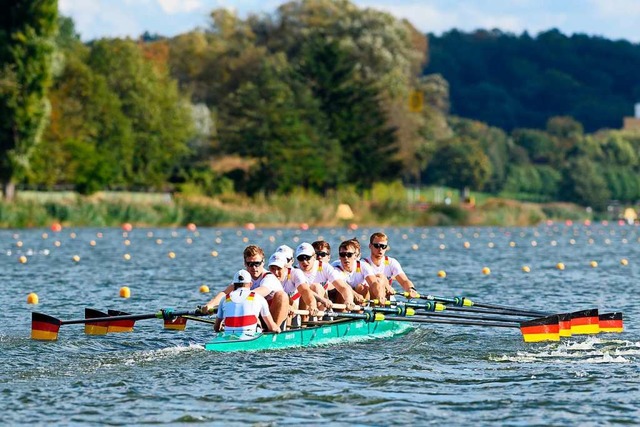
340 331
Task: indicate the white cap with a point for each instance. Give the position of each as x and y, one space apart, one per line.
242 276
305 249
278 259
286 250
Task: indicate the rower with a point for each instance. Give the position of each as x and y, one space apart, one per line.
359 274
263 282
318 272
323 250
287 252
294 283
387 268
241 308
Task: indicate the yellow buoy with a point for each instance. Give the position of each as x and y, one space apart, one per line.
32 298
593 264
125 292
92 243
526 269
560 266
442 274
624 261
76 258
204 289
126 257
486 270
214 253
414 247
172 255
22 259
467 245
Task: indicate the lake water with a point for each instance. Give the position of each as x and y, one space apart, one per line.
436 374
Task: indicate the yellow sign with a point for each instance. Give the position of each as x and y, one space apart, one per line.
416 101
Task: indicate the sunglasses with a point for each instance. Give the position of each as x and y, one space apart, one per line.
254 263
322 254
379 245
346 254
304 257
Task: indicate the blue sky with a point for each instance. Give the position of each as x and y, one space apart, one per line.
612 19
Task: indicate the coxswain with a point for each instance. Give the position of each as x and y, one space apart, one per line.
263 282
242 308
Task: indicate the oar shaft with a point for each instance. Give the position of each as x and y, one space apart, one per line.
495 311
156 315
452 321
470 317
512 309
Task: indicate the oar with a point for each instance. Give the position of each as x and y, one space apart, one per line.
467 302
45 327
574 323
536 330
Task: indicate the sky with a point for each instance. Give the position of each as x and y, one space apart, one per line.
611 19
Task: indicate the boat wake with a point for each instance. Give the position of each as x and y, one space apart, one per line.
592 350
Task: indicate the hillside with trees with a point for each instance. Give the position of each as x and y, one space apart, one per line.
315 96
511 81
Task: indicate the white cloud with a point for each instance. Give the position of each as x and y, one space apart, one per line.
173 7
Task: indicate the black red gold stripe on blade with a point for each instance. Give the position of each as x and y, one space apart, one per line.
585 322
95 328
177 324
611 322
120 325
564 320
541 329
44 327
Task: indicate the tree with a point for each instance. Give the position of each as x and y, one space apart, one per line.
275 122
160 117
353 112
461 164
584 184
27 29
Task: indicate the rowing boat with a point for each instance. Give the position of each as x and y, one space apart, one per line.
337 331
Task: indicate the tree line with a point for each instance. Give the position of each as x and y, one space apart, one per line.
314 95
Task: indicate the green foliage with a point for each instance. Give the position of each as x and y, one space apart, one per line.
26 47
512 81
583 184
459 163
160 118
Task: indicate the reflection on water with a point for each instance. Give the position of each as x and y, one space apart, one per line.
458 373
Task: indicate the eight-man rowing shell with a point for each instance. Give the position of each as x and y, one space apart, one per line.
342 330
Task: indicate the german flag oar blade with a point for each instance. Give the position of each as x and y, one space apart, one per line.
176 324
120 325
564 321
611 322
585 322
95 328
44 327
541 329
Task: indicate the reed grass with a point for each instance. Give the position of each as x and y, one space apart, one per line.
384 204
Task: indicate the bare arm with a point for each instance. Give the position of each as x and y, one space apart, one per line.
377 287
345 290
308 297
406 284
215 301
218 325
271 325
